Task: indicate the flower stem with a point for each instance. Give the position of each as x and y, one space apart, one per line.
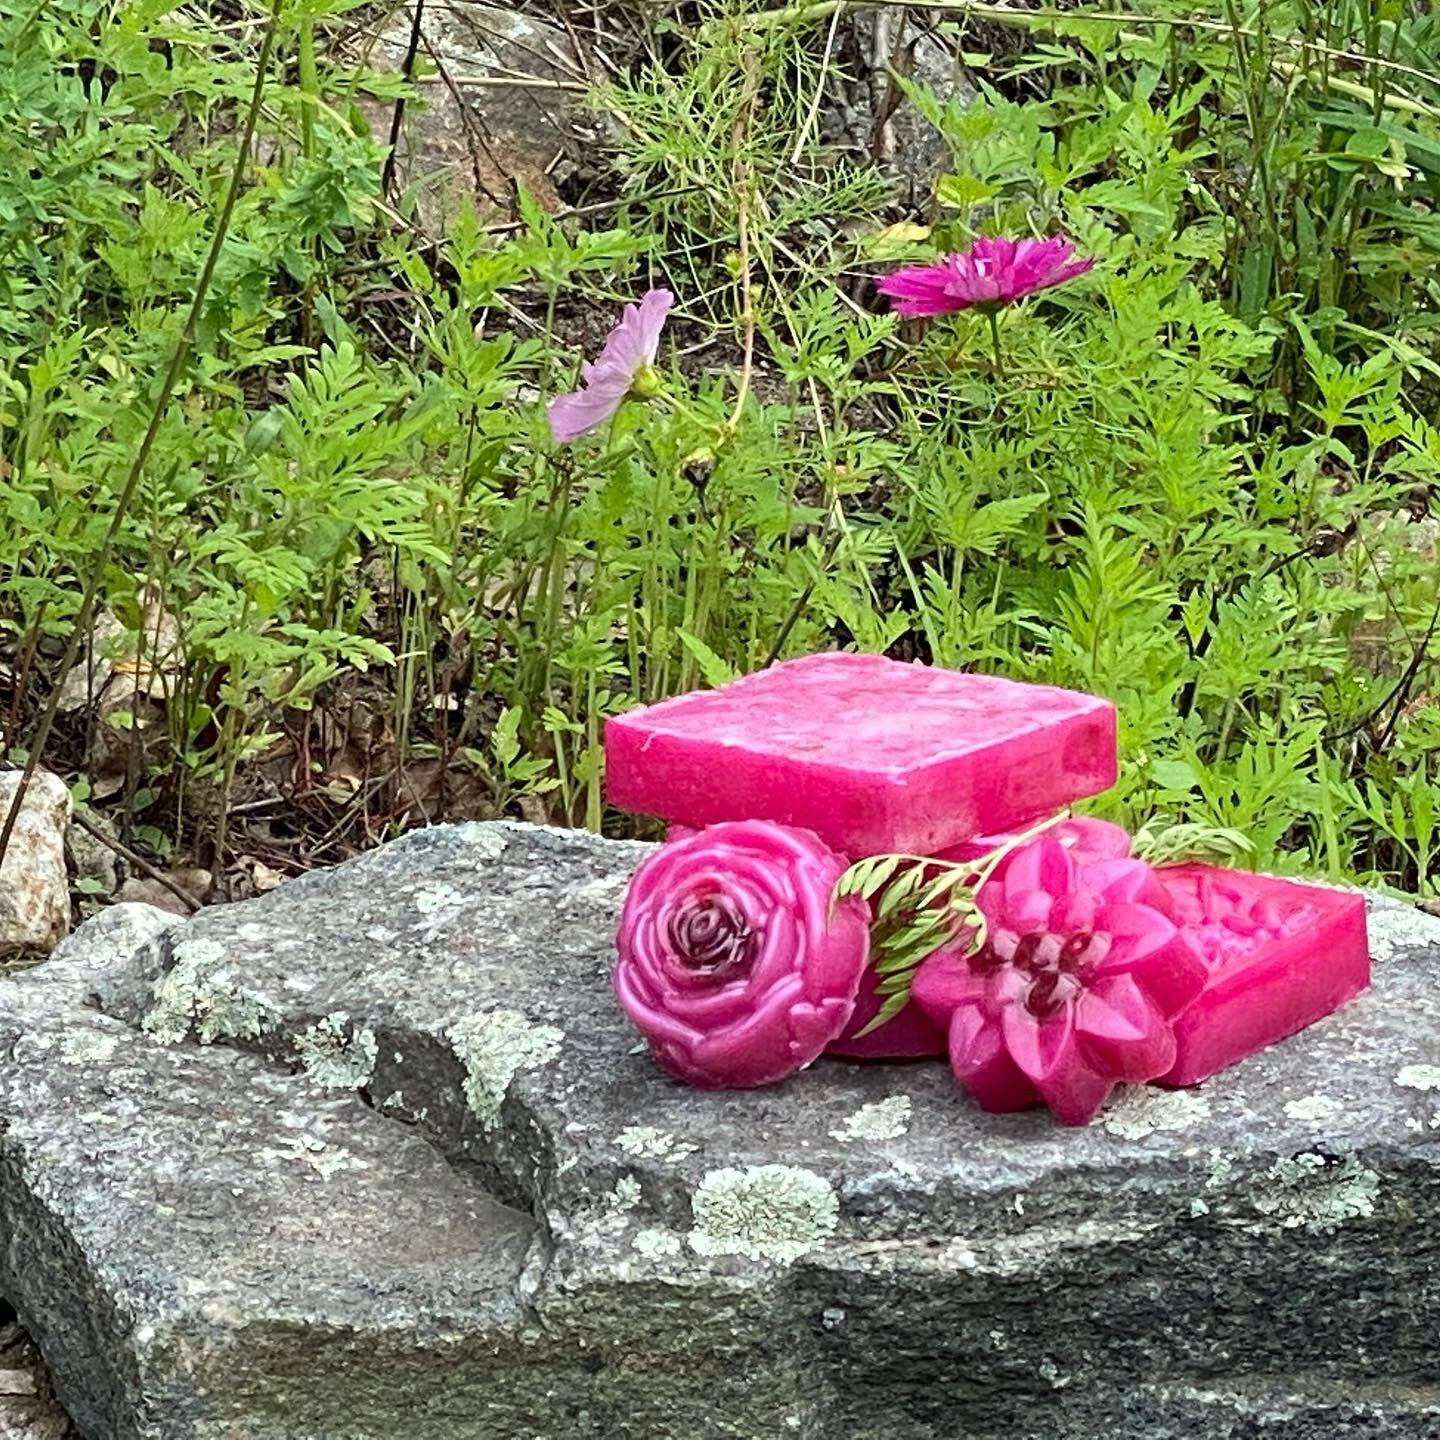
994 320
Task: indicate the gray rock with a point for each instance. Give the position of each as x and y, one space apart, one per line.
868 113
499 103
376 1154
97 868
34 884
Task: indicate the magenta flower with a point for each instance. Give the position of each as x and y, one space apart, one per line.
731 962
991 273
623 365
1075 989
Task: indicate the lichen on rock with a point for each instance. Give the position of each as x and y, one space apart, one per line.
1393 926
199 993
432 899
488 842
624 1197
87 1047
337 1054
764 1212
645 1142
1140 1112
1316 1192
656 1244
1419 1077
1313 1108
494 1048
887 1119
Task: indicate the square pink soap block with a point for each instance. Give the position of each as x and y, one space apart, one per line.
1280 954
872 754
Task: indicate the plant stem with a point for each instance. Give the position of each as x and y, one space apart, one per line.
994 320
157 415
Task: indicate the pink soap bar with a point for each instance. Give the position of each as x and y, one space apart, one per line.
1280 955
907 1036
871 754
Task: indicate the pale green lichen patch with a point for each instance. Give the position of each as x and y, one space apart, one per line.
1313 1108
337 1054
1395 927
87 1047
200 993
656 1244
487 843
1141 1112
645 1142
493 1048
324 1159
625 1196
1419 1077
765 1212
880 1120
433 899
1317 1193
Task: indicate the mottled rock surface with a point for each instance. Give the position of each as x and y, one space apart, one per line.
34 883
377 1155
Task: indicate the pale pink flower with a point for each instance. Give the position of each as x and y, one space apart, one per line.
629 351
992 272
732 961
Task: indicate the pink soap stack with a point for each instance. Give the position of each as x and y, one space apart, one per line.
1081 967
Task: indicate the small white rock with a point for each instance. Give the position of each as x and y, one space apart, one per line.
34 884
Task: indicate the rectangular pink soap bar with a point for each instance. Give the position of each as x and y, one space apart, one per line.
1281 955
872 754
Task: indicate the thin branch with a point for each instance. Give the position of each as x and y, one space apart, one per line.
138 861
407 69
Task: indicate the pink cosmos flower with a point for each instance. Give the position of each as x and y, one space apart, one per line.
912 1033
731 962
991 273
1075 989
629 352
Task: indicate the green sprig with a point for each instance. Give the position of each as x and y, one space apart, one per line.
1162 842
918 904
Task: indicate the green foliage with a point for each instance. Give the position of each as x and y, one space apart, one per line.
1198 481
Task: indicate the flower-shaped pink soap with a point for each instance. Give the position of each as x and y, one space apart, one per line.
1076 988
912 1033
732 962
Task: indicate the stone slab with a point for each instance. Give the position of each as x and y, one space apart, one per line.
857 1252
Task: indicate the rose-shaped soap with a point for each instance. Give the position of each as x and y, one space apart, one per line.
1076 988
732 962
